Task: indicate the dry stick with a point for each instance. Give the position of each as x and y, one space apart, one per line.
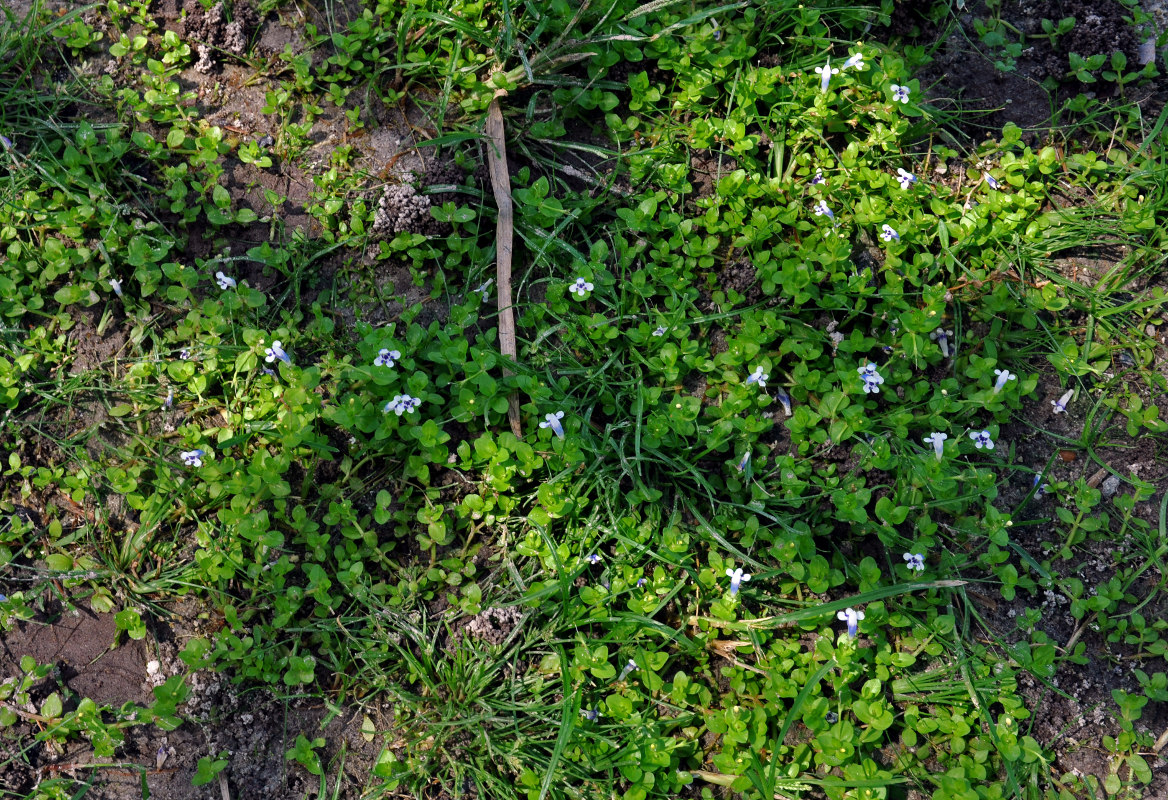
504 232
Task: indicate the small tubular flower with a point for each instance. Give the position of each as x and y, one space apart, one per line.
992 181
855 61
852 617
905 177
916 561
825 72
938 442
660 331
482 290
745 460
169 398
888 233
758 376
818 177
591 714
982 439
225 281
900 93
736 576
941 337
630 667
1060 405
581 287
193 458
116 285
552 420
784 400
276 351
821 209
386 357
1004 377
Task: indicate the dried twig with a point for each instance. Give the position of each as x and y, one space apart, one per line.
504 234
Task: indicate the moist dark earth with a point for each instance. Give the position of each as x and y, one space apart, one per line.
1073 709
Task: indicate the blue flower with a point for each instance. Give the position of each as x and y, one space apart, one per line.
482 290
641 582
276 351
660 331
758 376
386 357
982 439
1060 405
184 354
736 576
1003 378
553 421
906 178
938 442
592 559
852 617
225 281
856 60
116 285
887 233
941 337
169 398
916 561
4 140
992 181
900 93
784 399
629 668
818 177
580 287
745 460
591 714
1040 491
825 72
821 209
193 458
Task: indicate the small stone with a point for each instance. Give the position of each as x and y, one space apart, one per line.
1110 486
1150 330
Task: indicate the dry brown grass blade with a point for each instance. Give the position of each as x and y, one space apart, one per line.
504 236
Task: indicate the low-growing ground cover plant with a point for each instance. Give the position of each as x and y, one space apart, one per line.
778 346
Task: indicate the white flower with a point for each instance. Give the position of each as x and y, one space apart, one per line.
821 209
856 60
900 93
591 714
184 354
386 357
553 421
116 285
982 439
192 458
660 331
916 561
737 576
825 72
938 442
818 177
745 460
592 559
941 337
225 281
872 378
992 181
276 351
887 233
905 177
758 376
580 287
629 667
401 404
1060 405
1003 378
852 617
